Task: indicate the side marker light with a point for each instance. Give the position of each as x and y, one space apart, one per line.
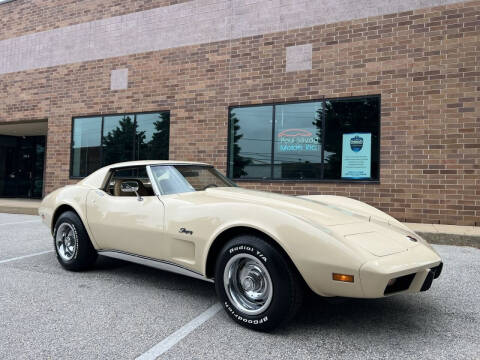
342 277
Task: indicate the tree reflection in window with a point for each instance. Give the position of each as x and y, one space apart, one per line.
251 148
239 162
124 138
118 139
306 139
153 134
347 116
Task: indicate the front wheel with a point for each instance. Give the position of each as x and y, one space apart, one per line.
256 283
72 244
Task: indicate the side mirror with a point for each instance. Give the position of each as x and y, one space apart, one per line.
131 186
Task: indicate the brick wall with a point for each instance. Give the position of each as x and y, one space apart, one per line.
23 17
424 63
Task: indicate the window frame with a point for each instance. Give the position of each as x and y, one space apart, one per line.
102 116
111 172
322 100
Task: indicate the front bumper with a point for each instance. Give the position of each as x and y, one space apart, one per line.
413 271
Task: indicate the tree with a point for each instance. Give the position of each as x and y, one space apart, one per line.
157 148
126 142
118 143
239 162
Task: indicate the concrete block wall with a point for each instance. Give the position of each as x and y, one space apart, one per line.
186 23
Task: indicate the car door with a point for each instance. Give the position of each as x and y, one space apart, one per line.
121 221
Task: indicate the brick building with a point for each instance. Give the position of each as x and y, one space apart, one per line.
282 95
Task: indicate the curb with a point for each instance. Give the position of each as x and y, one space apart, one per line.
451 239
18 210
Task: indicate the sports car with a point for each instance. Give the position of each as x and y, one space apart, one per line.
262 250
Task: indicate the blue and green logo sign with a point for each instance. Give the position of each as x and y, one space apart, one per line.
356 155
356 143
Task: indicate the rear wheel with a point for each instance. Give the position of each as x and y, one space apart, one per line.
256 283
72 244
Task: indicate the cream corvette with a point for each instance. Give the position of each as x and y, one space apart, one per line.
261 249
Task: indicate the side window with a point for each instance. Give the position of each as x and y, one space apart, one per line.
123 179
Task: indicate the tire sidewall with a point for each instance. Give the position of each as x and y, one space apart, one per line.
84 254
276 266
69 221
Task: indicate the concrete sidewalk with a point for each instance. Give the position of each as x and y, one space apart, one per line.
445 229
19 206
448 234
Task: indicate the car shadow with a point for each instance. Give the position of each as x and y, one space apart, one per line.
150 277
107 263
316 313
399 313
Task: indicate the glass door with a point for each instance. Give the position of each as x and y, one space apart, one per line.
21 166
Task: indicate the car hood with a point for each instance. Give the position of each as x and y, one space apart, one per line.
301 207
351 222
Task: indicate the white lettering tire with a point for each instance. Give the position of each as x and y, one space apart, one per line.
256 283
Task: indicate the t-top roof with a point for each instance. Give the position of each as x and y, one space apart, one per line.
97 178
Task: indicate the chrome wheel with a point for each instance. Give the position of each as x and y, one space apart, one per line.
248 284
66 241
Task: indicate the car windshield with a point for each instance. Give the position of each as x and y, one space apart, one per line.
174 179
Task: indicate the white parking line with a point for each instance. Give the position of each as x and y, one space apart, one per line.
170 341
21 222
25 256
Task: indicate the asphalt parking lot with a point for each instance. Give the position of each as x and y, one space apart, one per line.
121 311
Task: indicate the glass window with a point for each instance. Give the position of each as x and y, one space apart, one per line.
117 139
86 145
187 178
298 134
251 148
100 141
134 177
39 166
203 177
352 122
332 139
152 136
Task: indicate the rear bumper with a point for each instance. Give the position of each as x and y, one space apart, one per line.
413 271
